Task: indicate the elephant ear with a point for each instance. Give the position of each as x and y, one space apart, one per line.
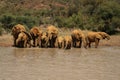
98 36
29 36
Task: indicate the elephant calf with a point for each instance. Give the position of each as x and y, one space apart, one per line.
60 42
67 42
44 40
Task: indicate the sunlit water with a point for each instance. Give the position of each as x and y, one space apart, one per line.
102 63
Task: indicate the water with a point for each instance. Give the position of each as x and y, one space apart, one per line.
102 63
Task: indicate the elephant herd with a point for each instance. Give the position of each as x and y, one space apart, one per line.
50 38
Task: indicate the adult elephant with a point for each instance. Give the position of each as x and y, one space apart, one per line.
23 39
16 30
36 34
52 32
96 37
60 42
67 42
78 38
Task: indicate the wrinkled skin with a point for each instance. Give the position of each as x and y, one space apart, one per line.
23 39
52 35
78 38
67 42
36 34
60 42
16 30
44 40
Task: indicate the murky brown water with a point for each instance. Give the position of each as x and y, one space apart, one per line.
102 63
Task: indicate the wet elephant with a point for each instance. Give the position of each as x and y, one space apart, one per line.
67 42
15 32
52 35
36 34
23 40
60 42
78 38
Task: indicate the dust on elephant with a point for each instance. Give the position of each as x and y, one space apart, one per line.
16 30
52 35
36 34
78 38
60 42
23 39
44 40
67 42
96 37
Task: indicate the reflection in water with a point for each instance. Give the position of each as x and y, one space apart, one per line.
59 64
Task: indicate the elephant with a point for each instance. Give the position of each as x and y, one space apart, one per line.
16 30
23 39
67 42
96 37
36 34
60 42
78 38
44 40
52 32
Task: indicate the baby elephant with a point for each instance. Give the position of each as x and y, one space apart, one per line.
23 39
60 42
67 42
44 40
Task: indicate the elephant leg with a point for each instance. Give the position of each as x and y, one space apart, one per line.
80 44
36 42
14 44
96 43
25 43
33 42
89 44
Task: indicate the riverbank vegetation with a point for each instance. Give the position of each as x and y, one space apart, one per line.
95 15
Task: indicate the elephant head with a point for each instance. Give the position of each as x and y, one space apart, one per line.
36 34
52 35
104 35
60 42
67 42
16 30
